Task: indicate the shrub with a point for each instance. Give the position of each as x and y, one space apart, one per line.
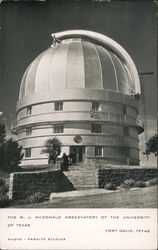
20 202
4 201
4 186
151 182
10 155
52 148
110 186
128 183
36 197
139 184
2 181
4 189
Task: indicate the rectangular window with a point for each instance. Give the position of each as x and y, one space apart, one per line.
28 131
58 129
98 151
126 152
27 152
96 128
96 106
58 106
126 131
124 110
29 110
18 116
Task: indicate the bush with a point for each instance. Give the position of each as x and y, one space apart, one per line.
110 186
2 181
151 182
36 198
139 184
4 186
4 201
10 155
20 202
128 183
4 189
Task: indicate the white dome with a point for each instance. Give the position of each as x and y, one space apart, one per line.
78 63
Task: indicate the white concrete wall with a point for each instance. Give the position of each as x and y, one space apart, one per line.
60 117
77 120
46 108
95 139
77 106
114 151
34 162
109 129
131 112
81 94
112 107
77 128
43 108
134 153
109 152
133 132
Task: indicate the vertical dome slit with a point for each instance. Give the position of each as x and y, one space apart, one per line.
23 83
66 63
101 73
42 71
117 85
75 65
125 88
92 67
31 76
57 76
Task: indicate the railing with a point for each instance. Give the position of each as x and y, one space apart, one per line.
14 124
109 117
140 125
139 122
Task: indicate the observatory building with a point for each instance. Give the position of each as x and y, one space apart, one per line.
83 90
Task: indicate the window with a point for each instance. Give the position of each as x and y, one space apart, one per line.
58 106
29 110
126 131
27 152
58 129
96 128
28 131
98 151
96 106
124 110
126 152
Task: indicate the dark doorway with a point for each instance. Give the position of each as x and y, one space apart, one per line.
77 154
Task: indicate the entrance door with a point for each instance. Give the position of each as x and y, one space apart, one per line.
77 153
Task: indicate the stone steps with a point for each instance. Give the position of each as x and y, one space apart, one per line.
83 167
83 179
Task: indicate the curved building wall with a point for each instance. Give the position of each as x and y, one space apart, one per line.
116 116
82 92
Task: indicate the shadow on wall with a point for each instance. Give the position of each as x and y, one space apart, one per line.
22 185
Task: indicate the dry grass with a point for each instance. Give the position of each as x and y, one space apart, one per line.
137 198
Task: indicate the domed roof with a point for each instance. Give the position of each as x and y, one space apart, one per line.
77 63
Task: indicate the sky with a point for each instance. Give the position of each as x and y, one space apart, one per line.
26 29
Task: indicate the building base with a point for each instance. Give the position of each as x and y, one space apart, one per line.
24 184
